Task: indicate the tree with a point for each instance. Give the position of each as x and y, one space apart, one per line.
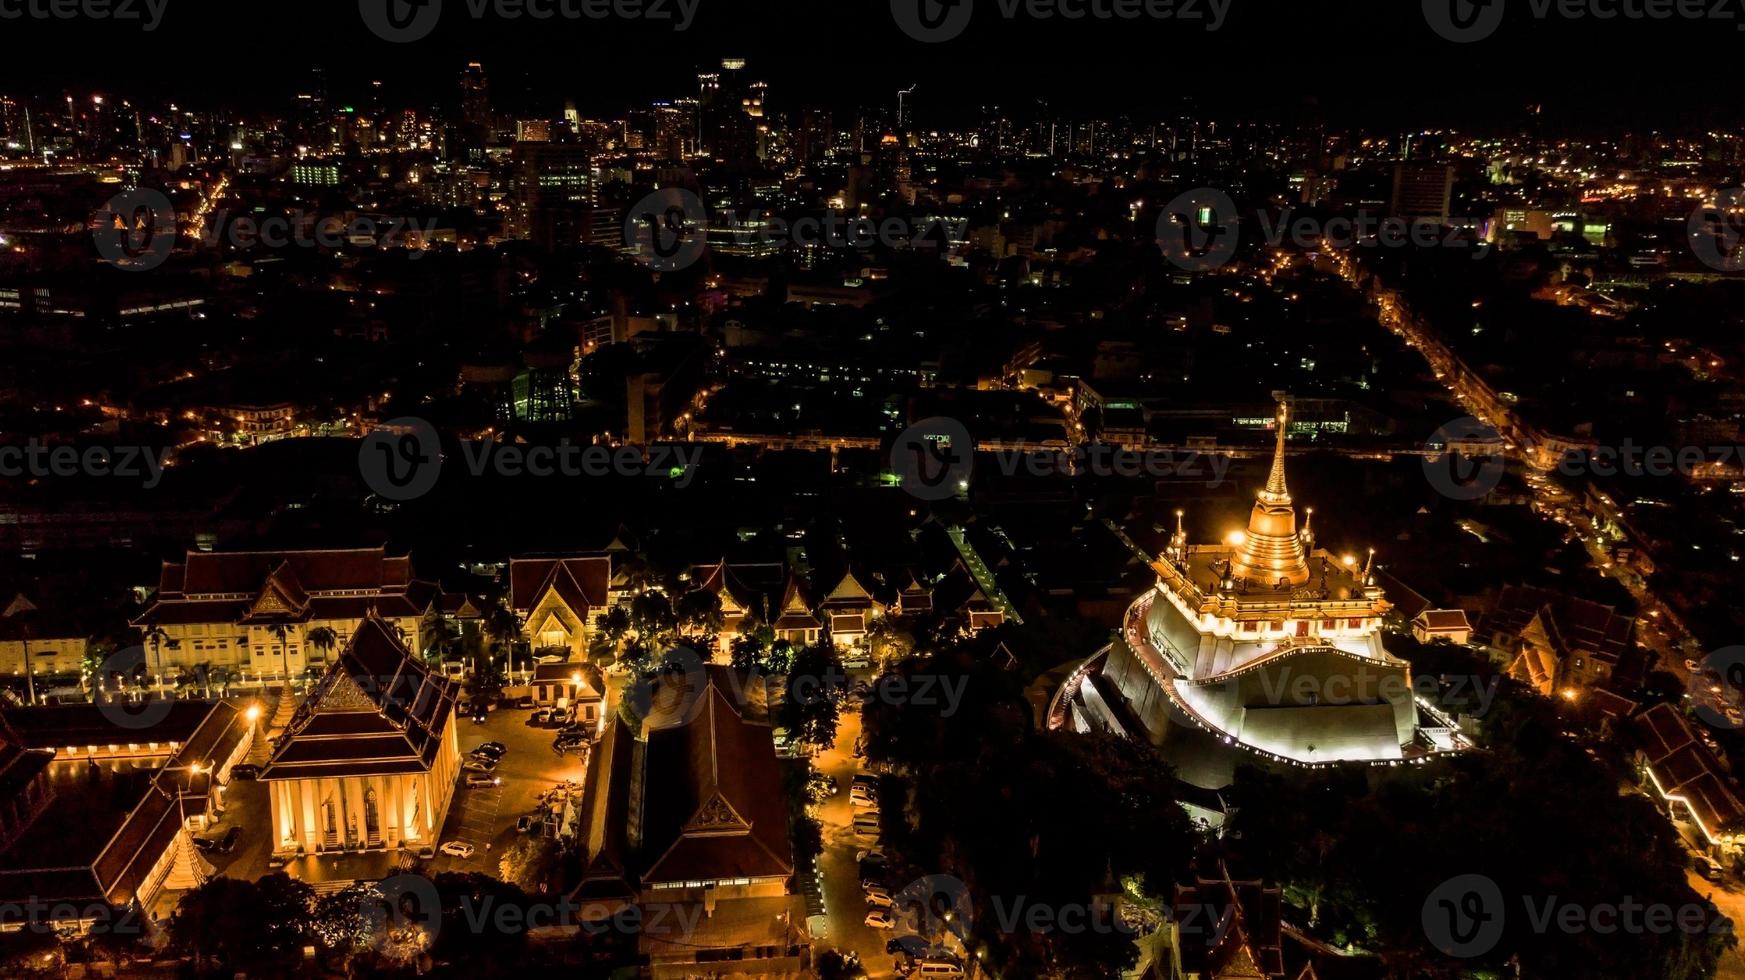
155 637
218 925
699 612
749 647
344 923
485 683
36 947
283 635
440 636
322 638
286 906
651 615
809 708
504 629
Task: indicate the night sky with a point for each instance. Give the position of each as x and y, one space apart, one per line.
1374 62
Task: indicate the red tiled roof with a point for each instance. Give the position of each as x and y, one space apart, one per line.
582 581
222 587
378 709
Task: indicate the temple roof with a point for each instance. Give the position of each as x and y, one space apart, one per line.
581 581
286 586
378 709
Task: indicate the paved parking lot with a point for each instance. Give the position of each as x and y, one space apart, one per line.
485 818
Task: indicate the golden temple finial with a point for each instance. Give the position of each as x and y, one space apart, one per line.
1369 568
1271 552
1275 482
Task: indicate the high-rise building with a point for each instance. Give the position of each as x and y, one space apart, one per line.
554 193
731 113
1423 190
477 122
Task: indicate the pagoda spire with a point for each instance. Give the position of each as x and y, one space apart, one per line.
1276 491
1272 553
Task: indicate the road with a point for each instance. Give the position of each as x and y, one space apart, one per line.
1731 902
844 902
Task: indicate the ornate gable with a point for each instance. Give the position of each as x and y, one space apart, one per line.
344 694
717 816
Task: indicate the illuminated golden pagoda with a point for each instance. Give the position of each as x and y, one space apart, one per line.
1263 644
1271 551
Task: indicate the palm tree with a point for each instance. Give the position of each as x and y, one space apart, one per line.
504 629
442 635
156 636
322 638
283 634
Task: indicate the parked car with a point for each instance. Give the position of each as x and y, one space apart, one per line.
482 780
880 919
541 716
458 848
495 750
907 945
941 968
480 764
245 771
861 796
524 702
879 900
219 845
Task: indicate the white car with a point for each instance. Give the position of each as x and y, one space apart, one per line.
860 797
481 780
458 848
880 919
876 900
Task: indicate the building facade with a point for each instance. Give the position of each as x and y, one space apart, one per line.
371 758
269 612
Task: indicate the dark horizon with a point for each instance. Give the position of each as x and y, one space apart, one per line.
1619 77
